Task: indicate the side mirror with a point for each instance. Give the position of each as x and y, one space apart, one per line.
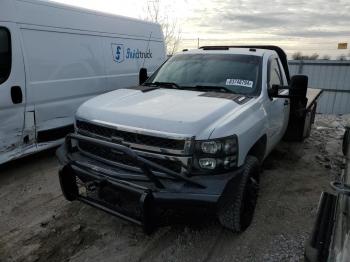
143 76
297 88
272 91
298 85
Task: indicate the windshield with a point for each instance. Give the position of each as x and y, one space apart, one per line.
233 73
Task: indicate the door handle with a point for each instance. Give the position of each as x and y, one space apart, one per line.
16 95
286 102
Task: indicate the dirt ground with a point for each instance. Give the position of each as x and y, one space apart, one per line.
38 224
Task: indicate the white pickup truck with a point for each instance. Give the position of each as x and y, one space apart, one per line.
193 134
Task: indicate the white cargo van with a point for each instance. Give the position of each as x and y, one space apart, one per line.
54 57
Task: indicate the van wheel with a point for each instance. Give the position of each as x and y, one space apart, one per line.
237 204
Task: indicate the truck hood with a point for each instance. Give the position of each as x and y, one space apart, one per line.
162 110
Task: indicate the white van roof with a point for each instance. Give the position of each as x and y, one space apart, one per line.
47 13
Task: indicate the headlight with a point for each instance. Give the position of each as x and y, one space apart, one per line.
211 147
216 154
222 146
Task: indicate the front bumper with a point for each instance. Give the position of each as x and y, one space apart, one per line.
134 196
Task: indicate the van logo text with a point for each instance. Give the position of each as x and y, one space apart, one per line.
136 54
119 54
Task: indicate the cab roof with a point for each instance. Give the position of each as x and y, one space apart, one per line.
236 51
257 50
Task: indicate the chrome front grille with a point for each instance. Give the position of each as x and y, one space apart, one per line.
124 159
173 154
135 140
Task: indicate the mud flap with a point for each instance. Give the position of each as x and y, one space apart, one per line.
317 248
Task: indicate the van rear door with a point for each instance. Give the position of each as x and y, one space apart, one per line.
12 92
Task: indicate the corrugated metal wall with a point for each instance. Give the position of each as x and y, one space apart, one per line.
333 77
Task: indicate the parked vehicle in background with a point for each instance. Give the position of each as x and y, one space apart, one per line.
54 57
194 134
330 238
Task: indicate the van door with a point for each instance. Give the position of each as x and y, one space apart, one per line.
12 92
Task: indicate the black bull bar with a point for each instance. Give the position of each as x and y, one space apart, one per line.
156 190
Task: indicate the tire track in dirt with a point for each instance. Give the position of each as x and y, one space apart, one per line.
158 245
183 243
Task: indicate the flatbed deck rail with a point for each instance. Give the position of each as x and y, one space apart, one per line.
302 115
312 95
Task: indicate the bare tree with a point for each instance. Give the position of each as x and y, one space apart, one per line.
297 56
300 56
157 12
314 56
342 58
326 57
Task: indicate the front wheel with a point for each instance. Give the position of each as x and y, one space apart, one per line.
237 204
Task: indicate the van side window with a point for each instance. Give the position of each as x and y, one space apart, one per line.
5 54
275 74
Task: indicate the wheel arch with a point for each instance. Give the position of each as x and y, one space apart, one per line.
259 149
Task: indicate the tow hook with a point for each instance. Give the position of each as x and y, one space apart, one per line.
341 188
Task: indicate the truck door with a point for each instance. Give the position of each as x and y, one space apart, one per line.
286 103
276 114
12 92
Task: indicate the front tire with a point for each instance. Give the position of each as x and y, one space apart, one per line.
237 204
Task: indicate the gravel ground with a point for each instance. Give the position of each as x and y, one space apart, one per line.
37 224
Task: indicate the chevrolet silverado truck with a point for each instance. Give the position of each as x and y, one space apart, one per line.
193 134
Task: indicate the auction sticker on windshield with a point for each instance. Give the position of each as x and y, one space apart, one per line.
239 82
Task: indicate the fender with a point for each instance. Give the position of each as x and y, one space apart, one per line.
249 126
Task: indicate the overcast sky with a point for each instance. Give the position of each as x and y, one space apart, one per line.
313 26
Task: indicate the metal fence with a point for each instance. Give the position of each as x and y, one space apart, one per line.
331 76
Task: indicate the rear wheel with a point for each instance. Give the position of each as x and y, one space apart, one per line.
237 204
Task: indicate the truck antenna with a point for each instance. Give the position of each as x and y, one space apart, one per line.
149 40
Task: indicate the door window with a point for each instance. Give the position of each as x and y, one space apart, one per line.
275 73
5 54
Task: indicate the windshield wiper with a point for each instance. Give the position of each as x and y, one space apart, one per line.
212 88
164 84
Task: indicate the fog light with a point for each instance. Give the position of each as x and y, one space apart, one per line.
207 163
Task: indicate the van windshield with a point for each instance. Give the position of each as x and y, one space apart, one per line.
215 72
